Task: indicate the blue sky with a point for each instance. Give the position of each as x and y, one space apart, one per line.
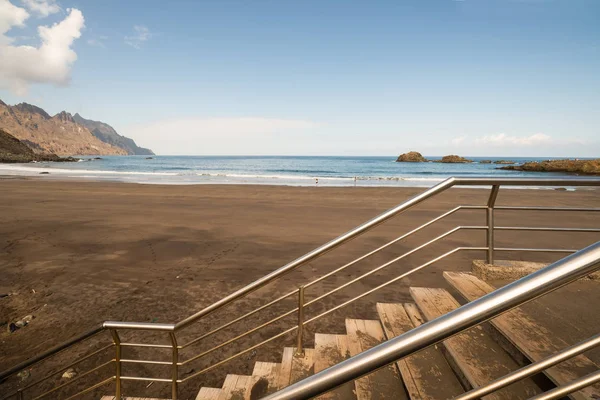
474 77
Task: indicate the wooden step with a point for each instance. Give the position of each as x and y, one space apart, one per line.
294 369
529 336
128 398
265 380
208 393
235 387
384 383
473 353
331 350
426 375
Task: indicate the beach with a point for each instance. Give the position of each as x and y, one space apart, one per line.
77 253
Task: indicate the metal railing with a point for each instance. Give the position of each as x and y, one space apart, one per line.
487 307
171 330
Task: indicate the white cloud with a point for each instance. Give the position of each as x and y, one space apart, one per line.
41 7
10 16
249 135
503 139
141 35
51 62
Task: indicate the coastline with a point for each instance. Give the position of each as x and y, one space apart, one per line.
323 183
301 171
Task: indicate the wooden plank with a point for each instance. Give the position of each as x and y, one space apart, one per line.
477 356
384 383
265 380
286 367
235 387
208 393
532 339
294 369
129 398
426 375
331 350
303 367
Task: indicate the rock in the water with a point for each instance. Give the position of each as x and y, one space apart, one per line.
583 167
508 162
411 156
69 374
454 159
149 158
44 173
485 162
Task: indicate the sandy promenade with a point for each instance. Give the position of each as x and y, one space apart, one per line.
74 254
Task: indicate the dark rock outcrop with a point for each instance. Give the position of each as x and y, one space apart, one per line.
507 162
454 159
109 135
485 162
411 156
12 150
583 167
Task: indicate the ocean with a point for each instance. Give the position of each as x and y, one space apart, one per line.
268 170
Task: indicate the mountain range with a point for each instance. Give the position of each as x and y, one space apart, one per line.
64 134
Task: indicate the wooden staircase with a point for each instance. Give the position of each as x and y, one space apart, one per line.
470 359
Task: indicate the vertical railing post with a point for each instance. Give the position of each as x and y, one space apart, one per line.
299 344
20 394
117 341
490 223
175 372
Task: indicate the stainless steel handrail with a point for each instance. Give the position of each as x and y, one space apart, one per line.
354 233
54 350
329 293
337 307
348 236
550 278
327 247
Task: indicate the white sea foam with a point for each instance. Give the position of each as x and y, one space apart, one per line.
65 171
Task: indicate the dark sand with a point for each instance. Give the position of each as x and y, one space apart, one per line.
75 254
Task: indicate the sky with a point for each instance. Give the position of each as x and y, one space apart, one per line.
305 77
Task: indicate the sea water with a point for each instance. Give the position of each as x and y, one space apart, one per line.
269 170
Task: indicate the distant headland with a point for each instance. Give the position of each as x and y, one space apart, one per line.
64 134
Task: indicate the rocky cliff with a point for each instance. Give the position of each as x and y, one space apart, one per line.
107 134
12 150
61 134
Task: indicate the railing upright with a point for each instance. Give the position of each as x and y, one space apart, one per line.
490 223
300 333
175 371
117 341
